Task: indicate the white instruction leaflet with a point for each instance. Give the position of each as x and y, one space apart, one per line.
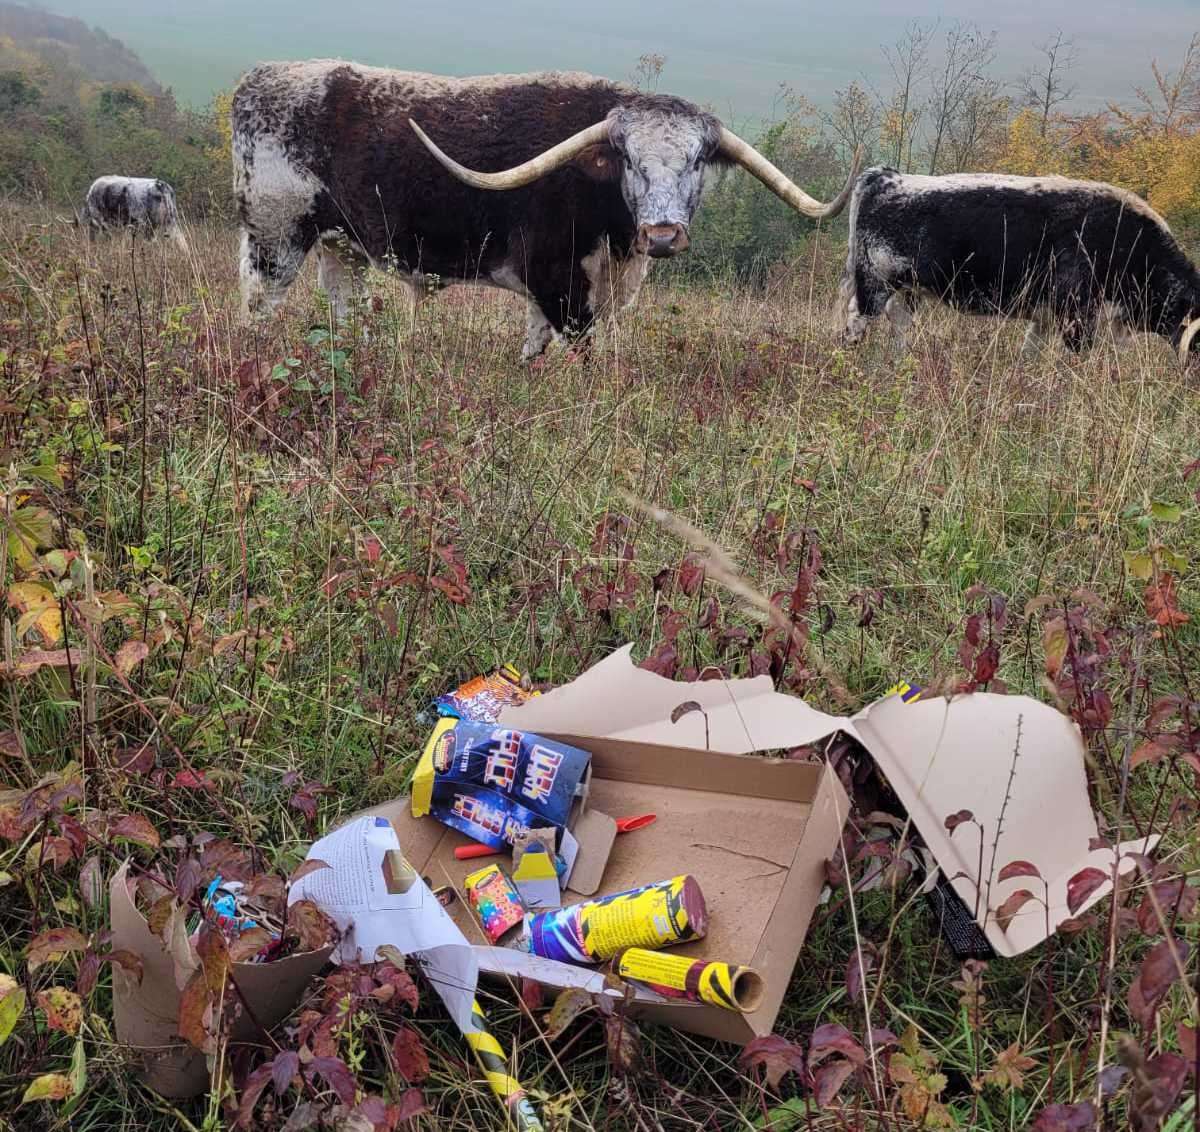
354 893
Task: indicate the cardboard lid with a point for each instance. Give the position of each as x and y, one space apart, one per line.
615 699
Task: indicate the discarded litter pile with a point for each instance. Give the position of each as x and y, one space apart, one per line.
635 840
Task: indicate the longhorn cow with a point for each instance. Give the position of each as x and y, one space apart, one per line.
1068 255
584 182
145 204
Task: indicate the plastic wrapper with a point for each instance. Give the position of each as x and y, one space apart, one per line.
482 698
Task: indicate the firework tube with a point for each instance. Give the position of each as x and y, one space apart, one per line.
655 915
697 980
507 1088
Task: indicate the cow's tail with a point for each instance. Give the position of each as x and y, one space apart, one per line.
176 236
845 300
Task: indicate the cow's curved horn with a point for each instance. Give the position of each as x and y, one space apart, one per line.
1185 343
781 185
546 162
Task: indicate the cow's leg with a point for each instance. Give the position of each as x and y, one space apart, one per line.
267 269
1116 329
341 270
539 332
562 315
1078 330
1037 336
899 311
860 299
613 282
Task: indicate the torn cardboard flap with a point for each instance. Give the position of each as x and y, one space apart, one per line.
146 1014
615 699
939 756
944 756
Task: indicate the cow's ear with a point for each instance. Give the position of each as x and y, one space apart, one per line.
600 163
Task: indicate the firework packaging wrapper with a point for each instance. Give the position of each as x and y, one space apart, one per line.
482 699
495 900
655 915
493 783
535 871
696 980
222 904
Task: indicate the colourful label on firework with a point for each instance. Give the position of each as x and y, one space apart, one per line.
655 915
696 980
494 783
495 900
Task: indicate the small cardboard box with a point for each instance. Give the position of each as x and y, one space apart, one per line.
755 832
146 1011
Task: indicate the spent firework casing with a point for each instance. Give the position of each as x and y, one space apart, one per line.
655 915
697 980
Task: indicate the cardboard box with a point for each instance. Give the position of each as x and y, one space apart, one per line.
146 1013
755 832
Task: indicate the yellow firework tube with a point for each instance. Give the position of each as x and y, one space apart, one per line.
697 980
508 1089
656 915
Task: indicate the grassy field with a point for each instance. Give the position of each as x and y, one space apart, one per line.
268 549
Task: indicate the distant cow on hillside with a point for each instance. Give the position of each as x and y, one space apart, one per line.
1068 255
595 178
145 204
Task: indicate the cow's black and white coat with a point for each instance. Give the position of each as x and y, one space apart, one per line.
145 204
1071 256
324 156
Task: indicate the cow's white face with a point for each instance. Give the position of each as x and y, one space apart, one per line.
663 158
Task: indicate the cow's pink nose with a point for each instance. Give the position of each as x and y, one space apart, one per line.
661 240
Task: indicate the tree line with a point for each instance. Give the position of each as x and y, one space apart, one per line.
946 109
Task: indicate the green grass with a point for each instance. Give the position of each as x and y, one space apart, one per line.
231 502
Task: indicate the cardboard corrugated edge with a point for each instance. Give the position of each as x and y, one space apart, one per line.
146 1014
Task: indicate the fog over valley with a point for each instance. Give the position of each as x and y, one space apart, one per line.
732 56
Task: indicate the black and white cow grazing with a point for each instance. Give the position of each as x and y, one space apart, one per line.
598 177
1068 255
143 203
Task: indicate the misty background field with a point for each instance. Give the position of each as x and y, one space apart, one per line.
241 561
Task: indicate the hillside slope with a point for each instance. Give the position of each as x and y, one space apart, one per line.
64 39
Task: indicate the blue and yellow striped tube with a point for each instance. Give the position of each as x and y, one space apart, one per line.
508 1089
908 693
